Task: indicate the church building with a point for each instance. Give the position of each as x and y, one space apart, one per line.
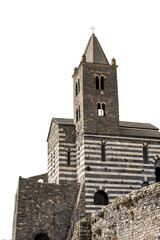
92 158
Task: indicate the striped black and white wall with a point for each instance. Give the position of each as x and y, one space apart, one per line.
123 170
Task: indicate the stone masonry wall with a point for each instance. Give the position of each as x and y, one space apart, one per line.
135 216
78 211
43 208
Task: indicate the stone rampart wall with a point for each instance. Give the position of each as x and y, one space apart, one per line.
135 216
43 208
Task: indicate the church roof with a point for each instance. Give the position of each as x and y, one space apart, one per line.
94 52
135 129
132 129
67 121
137 125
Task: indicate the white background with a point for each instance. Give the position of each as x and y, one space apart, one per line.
40 44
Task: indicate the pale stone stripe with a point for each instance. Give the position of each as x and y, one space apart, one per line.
65 157
120 174
67 144
65 162
126 157
121 153
90 211
67 178
90 143
117 195
154 146
67 168
95 206
89 194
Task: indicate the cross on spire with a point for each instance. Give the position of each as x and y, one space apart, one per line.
93 28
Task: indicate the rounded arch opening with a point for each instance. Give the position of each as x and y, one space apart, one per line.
97 82
101 198
102 82
40 180
41 236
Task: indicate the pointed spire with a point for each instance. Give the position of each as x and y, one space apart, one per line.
94 52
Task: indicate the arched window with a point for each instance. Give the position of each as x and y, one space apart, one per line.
99 109
78 85
145 153
100 198
68 157
97 82
102 82
103 155
157 170
76 89
41 236
40 180
103 109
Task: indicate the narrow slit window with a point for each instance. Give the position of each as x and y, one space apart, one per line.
68 157
102 82
97 82
145 154
76 89
79 113
78 85
76 115
103 152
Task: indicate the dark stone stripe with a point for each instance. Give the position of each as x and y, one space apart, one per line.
136 171
115 150
114 177
114 154
66 176
115 160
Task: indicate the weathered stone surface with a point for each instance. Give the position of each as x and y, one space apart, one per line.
135 216
44 208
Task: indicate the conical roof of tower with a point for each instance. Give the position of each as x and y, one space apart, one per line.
94 52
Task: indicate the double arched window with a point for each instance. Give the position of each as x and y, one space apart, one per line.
101 109
99 82
100 198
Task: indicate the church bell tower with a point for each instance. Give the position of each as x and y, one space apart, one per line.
95 92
